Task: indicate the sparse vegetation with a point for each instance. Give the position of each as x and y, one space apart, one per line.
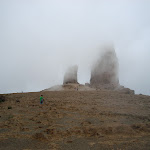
9 107
2 99
69 117
10 117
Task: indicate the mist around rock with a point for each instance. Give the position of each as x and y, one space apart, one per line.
104 74
71 75
105 70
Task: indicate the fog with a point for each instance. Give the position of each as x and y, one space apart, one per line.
40 39
105 69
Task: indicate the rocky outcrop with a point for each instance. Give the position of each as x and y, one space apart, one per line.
105 70
71 75
104 74
124 90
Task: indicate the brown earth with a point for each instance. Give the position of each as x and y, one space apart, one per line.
75 120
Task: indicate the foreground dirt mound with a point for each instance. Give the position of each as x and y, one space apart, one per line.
75 120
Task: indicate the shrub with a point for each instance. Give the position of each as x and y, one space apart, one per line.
2 98
9 107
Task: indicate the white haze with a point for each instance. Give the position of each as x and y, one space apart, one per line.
40 39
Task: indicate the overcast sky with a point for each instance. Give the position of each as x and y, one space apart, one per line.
40 39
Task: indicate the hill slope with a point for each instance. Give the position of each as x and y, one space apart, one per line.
75 120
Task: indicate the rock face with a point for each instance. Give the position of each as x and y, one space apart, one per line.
124 90
104 73
105 70
71 75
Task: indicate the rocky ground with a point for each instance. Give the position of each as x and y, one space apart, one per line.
75 120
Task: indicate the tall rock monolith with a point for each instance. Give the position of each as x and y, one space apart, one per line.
71 75
105 71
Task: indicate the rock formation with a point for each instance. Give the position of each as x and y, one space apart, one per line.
104 73
105 70
124 90
71 75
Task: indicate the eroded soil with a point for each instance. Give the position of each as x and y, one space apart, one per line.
75 120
